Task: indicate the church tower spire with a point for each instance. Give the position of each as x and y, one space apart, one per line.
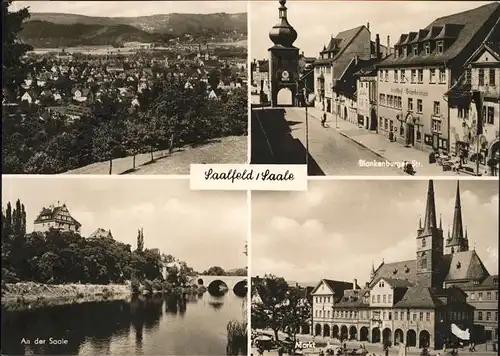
429 245
372 273
457 242
430 209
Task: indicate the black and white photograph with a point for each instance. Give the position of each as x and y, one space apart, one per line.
376 267
376 88
123 87
94 266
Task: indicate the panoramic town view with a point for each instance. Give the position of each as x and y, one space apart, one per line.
148 89
413 270
131 275
386 88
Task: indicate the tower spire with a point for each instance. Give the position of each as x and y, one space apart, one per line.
457 232
430 209
440 222
372 273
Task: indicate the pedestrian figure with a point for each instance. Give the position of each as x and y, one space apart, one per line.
386 351
323 120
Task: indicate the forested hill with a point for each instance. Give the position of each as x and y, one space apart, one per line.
176 24
53 29
51 35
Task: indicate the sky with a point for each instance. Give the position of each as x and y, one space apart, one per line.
203 228
132 8
337 228
316 21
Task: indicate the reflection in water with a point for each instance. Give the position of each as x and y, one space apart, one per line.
170 325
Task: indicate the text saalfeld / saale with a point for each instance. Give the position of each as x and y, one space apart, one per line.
248 174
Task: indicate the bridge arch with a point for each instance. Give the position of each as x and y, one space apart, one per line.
241 288
219 285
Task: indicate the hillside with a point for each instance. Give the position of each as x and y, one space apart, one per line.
46 34
176 24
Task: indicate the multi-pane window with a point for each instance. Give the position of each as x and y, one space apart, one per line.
480 296
383 315
396 314
436 125
468 75
421 316
463 112
415 50
488 316
442 75
432 75
396 76
410 104
386 75
403 77
488 295
382 99
413 75
427 316
389 298
414 316
492 77
420 106
427 48
437 108
378 298
481 77
384 298
420 75
390 316
439 47
405 52
480 315
373 299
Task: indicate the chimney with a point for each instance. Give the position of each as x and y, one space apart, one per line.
388 45
368 26
377 46
355 283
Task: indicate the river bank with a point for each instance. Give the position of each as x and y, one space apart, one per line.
30 295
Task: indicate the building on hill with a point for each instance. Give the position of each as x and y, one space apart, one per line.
56 217
416 301
101 234
414 82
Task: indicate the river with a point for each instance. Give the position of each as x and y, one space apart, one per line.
194 325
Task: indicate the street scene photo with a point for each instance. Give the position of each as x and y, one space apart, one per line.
122 267
367 267
376 88
123 87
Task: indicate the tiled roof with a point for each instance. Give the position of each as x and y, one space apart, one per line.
101 233
466 265
403 270
464 27
353 298
397 283
51 214
337 286
419 297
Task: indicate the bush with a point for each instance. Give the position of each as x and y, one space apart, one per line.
237 343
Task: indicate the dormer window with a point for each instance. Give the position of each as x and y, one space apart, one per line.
407 269
458 265
415 50
405 52
427 48
440 47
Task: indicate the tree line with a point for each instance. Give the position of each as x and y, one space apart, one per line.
37 143
279 307
59 257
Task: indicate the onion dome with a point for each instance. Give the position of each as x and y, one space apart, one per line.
283 33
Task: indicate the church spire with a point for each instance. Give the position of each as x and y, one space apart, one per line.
372 273
430 210
457 232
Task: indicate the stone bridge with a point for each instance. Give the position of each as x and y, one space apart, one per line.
234 283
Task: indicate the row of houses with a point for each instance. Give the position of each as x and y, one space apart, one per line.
419 91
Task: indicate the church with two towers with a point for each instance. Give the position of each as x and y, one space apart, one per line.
415 302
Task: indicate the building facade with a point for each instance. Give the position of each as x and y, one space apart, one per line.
482 74
413 83
415 302
56 217
366 89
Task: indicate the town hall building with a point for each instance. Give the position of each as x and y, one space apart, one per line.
415 302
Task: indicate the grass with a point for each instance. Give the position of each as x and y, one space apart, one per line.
237 337
224 150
